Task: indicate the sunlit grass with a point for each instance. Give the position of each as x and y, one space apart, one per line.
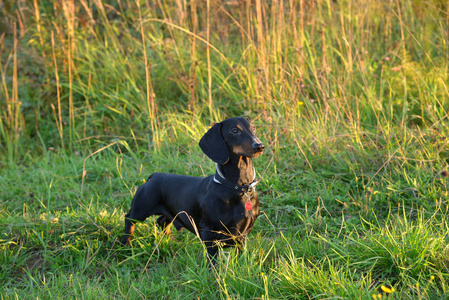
350 98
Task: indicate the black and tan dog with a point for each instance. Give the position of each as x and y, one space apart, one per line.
222 207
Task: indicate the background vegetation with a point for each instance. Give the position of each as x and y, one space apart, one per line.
349 96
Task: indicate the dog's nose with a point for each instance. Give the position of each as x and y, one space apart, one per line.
258 147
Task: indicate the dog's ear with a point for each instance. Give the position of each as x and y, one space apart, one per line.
214 146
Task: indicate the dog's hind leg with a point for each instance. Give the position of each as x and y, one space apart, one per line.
132 218
164 223
129 230
144 204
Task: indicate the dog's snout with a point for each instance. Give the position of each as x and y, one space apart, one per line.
258 147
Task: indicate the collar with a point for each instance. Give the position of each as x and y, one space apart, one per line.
220 179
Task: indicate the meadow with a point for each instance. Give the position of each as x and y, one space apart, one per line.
350 98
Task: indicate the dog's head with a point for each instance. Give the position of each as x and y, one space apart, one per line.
235 136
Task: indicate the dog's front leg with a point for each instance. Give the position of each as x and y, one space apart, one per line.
212 252
211 246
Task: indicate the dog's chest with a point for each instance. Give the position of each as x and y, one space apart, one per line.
244 209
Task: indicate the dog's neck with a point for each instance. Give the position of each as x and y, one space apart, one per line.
238 170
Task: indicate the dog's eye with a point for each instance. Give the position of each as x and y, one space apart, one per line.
253 129
234 130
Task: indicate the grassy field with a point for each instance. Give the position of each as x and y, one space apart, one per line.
350 98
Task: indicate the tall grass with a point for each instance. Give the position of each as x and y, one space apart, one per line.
115 66
350 97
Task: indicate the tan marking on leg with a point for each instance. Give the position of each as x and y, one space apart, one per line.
131 230
168 230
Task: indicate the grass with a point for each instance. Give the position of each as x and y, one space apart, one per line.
350 98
